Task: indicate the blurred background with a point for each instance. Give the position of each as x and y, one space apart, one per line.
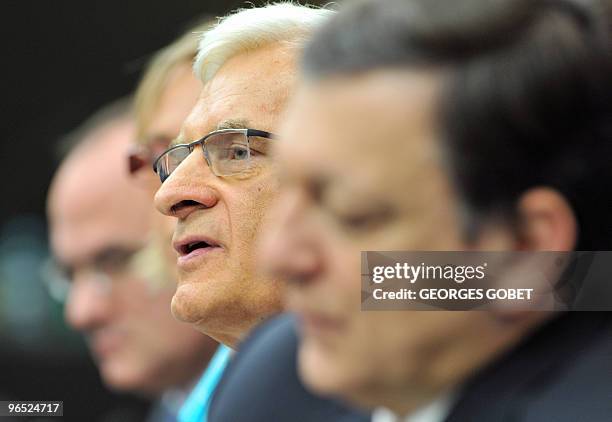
63 59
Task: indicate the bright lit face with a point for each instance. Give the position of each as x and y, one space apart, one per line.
133 337
361 170
219 289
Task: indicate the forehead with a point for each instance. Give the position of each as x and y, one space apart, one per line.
93 205
381 123
252 87
180 93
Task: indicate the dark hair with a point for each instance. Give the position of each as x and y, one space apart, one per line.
528 101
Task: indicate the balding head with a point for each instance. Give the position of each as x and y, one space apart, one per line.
92 202
99 219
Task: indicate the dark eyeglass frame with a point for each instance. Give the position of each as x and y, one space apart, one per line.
202 141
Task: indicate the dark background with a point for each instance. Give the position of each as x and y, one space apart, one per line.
61 60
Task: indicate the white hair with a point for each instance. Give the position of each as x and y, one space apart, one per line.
248 29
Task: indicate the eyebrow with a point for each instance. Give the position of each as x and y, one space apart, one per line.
180 139
225 124
234 124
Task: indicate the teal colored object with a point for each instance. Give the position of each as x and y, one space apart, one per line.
195 408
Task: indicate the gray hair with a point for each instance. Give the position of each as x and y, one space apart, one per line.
249 29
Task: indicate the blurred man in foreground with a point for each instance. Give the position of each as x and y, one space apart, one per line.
437 125
99 222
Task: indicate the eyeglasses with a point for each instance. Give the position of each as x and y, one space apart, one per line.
111 265
141 156
227 151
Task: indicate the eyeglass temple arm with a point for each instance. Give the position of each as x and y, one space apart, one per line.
259 133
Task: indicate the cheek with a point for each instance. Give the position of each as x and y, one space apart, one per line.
350 271
163 225
132 295
343 259
156 327
248 208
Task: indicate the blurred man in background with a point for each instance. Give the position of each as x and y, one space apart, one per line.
99 221
437 125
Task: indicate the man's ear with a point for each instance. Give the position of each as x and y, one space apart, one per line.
547 222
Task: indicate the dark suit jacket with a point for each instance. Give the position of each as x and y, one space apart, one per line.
261 383
561 373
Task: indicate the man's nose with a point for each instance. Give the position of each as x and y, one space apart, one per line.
187 189
287 249
87 306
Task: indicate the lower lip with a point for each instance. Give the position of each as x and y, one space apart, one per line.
193 256
105 344
319 325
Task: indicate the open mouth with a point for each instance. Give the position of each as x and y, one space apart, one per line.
187 249
198 245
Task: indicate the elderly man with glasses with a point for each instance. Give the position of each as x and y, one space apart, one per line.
218 178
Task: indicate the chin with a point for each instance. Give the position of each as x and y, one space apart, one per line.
186 302
125 378
325 373
317 369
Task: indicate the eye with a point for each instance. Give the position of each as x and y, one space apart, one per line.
238 152
358 221
114 261
361 221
